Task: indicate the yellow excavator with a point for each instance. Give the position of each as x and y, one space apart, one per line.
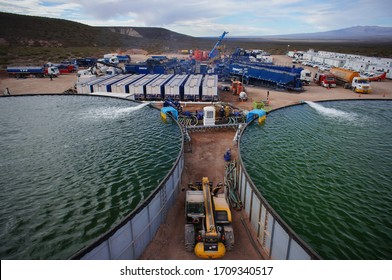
208 229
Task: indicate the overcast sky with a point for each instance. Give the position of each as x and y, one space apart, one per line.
211 18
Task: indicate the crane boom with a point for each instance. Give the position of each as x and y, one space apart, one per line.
212 52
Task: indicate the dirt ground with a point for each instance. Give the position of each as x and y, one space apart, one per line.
277 99
206 159
208 148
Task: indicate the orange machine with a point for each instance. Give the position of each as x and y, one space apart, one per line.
236 87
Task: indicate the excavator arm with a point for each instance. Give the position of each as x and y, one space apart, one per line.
210 247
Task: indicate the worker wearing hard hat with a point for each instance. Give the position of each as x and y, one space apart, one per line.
243 96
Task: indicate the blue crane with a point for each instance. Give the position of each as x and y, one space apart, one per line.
212 53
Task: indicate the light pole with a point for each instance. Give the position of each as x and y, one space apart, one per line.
288 47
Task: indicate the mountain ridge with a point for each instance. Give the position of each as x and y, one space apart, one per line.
42 31
354 33
31 39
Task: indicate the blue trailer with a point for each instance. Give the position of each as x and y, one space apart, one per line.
24 71
267 75
138 68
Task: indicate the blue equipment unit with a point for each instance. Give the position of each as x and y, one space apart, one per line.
169 110
261 115
124 58
139 68
271 75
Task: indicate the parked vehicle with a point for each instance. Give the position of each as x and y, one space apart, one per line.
63 67
32 71
306 76
375 76
352 80
324 68
325 79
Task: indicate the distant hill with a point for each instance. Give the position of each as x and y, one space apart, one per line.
356 33
21 30
31 40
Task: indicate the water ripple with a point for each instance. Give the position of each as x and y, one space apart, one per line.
73 167
329 177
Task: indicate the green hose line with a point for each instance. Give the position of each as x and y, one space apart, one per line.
231 185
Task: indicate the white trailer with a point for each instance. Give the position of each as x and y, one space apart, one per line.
335 62
192 88
210 88
138 88
174 89
388 70
319 59
82 81
106 85
382 62
156 88
89 86
123 85
308 56
355 65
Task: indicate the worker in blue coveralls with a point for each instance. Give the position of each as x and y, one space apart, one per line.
227 155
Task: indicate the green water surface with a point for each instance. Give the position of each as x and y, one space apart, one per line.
74 166
327 170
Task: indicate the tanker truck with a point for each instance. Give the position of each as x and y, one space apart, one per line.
351 80
32 71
